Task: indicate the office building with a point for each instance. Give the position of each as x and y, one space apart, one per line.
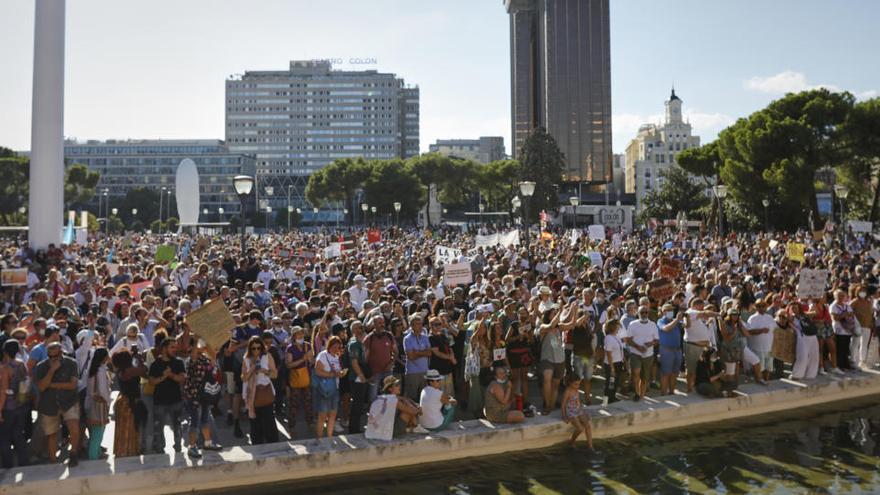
560 62
128 164
299 120
485 149
655 149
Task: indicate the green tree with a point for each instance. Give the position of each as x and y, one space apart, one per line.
391 181
338 181
679 193
146 202
79 185
14 171
860 170
542 162
453 177
498 182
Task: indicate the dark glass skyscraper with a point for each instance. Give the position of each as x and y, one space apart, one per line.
560 64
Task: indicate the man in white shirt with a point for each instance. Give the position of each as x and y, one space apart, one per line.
697 337
642 336
265 276
358 293
760 327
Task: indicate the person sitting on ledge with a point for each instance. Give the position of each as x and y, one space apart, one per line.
408 412
710 371
438 409
499 398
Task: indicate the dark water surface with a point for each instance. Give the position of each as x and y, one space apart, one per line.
828 450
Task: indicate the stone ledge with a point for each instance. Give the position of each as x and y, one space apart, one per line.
251 465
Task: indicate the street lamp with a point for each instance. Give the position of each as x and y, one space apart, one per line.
373 210
841 192
289 214
766 203
720 193
345 214
527 189
515 204
315 217
574 201
481 207
243 185
397 206
268 213
364 208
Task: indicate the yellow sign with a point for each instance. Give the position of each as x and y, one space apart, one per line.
795 251
212 322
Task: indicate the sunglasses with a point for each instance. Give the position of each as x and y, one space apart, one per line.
256 348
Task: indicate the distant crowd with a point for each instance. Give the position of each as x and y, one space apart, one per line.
395 332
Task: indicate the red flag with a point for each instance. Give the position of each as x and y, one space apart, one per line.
374 236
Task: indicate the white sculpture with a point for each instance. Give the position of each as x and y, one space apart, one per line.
186 184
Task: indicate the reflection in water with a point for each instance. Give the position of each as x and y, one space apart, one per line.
815 451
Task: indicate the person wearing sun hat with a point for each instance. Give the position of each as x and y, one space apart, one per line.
438 408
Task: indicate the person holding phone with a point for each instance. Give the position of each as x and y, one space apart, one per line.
328 371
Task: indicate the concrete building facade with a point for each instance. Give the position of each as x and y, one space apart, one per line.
484 149
152 164
560 61
299 120
655 149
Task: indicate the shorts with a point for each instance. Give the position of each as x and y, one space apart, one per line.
749 358
558 369
325 404
582 366
824 332
692 353
670 360
765 360
645 364
199 416
52 423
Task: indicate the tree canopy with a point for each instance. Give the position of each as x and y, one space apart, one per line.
542 162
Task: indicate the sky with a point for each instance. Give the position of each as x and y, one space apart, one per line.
155 69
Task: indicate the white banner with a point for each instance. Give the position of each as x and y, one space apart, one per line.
457 273
861 226
597 232
334 250
486 240
508 238
811 283
446 254
575 235
491 240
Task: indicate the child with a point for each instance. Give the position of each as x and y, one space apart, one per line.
613 360
574 412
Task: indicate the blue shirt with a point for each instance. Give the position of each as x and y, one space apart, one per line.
672 338
38 353
413 342
245 332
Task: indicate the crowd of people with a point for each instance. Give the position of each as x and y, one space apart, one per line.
369 335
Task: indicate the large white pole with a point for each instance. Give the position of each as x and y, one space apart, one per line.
46 201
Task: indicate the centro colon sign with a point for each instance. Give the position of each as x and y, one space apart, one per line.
350 61
615 217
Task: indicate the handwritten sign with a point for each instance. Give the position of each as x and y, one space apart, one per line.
596 232
660 289
165 254
334 250
212 322
861 226
457 273
595 258
139 287
811 283
446 254
669 268
13 277
795 251
733 254
783 344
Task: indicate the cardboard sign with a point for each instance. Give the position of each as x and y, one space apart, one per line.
446 254
818 235
861 226
212 322
499 354
811 283
457 273
783 344
669 268
733 254
13 277
765 243
595 258
334 250
596 232
661 289
795 251
165 254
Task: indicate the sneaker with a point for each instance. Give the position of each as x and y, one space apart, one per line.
837 371
73 461
194 453
420 429
822 372
214 446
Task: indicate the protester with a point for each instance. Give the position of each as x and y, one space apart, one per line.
499 398
328 371
167 373
257 372
58 400
97 403
13 407
438 408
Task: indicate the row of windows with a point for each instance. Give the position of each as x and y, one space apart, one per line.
142 150
283 127
201 163
253 85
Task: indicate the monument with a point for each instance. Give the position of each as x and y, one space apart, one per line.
186 186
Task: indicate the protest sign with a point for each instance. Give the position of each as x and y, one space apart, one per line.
595 258
575 235
499 354
818 235
113 269
875 254
374 236
861 226
165 254
542 267
795 251
508 238
485 241
446 254
596 232
783 344
14 277
773 243
334 250
765 243
212 322
82 236
733 254
811 283
457 273
660 289
669 268
139 287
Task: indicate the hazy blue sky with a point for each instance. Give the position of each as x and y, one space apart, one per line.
150 69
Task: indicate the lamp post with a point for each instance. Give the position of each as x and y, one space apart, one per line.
364 208
766 203
397 206
168 204
161 200
268 213
515 204
574 201
527 189
299 213
841 192
373 210
243 185
344 213
289 214
114 211
481 207
315 217
720 193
